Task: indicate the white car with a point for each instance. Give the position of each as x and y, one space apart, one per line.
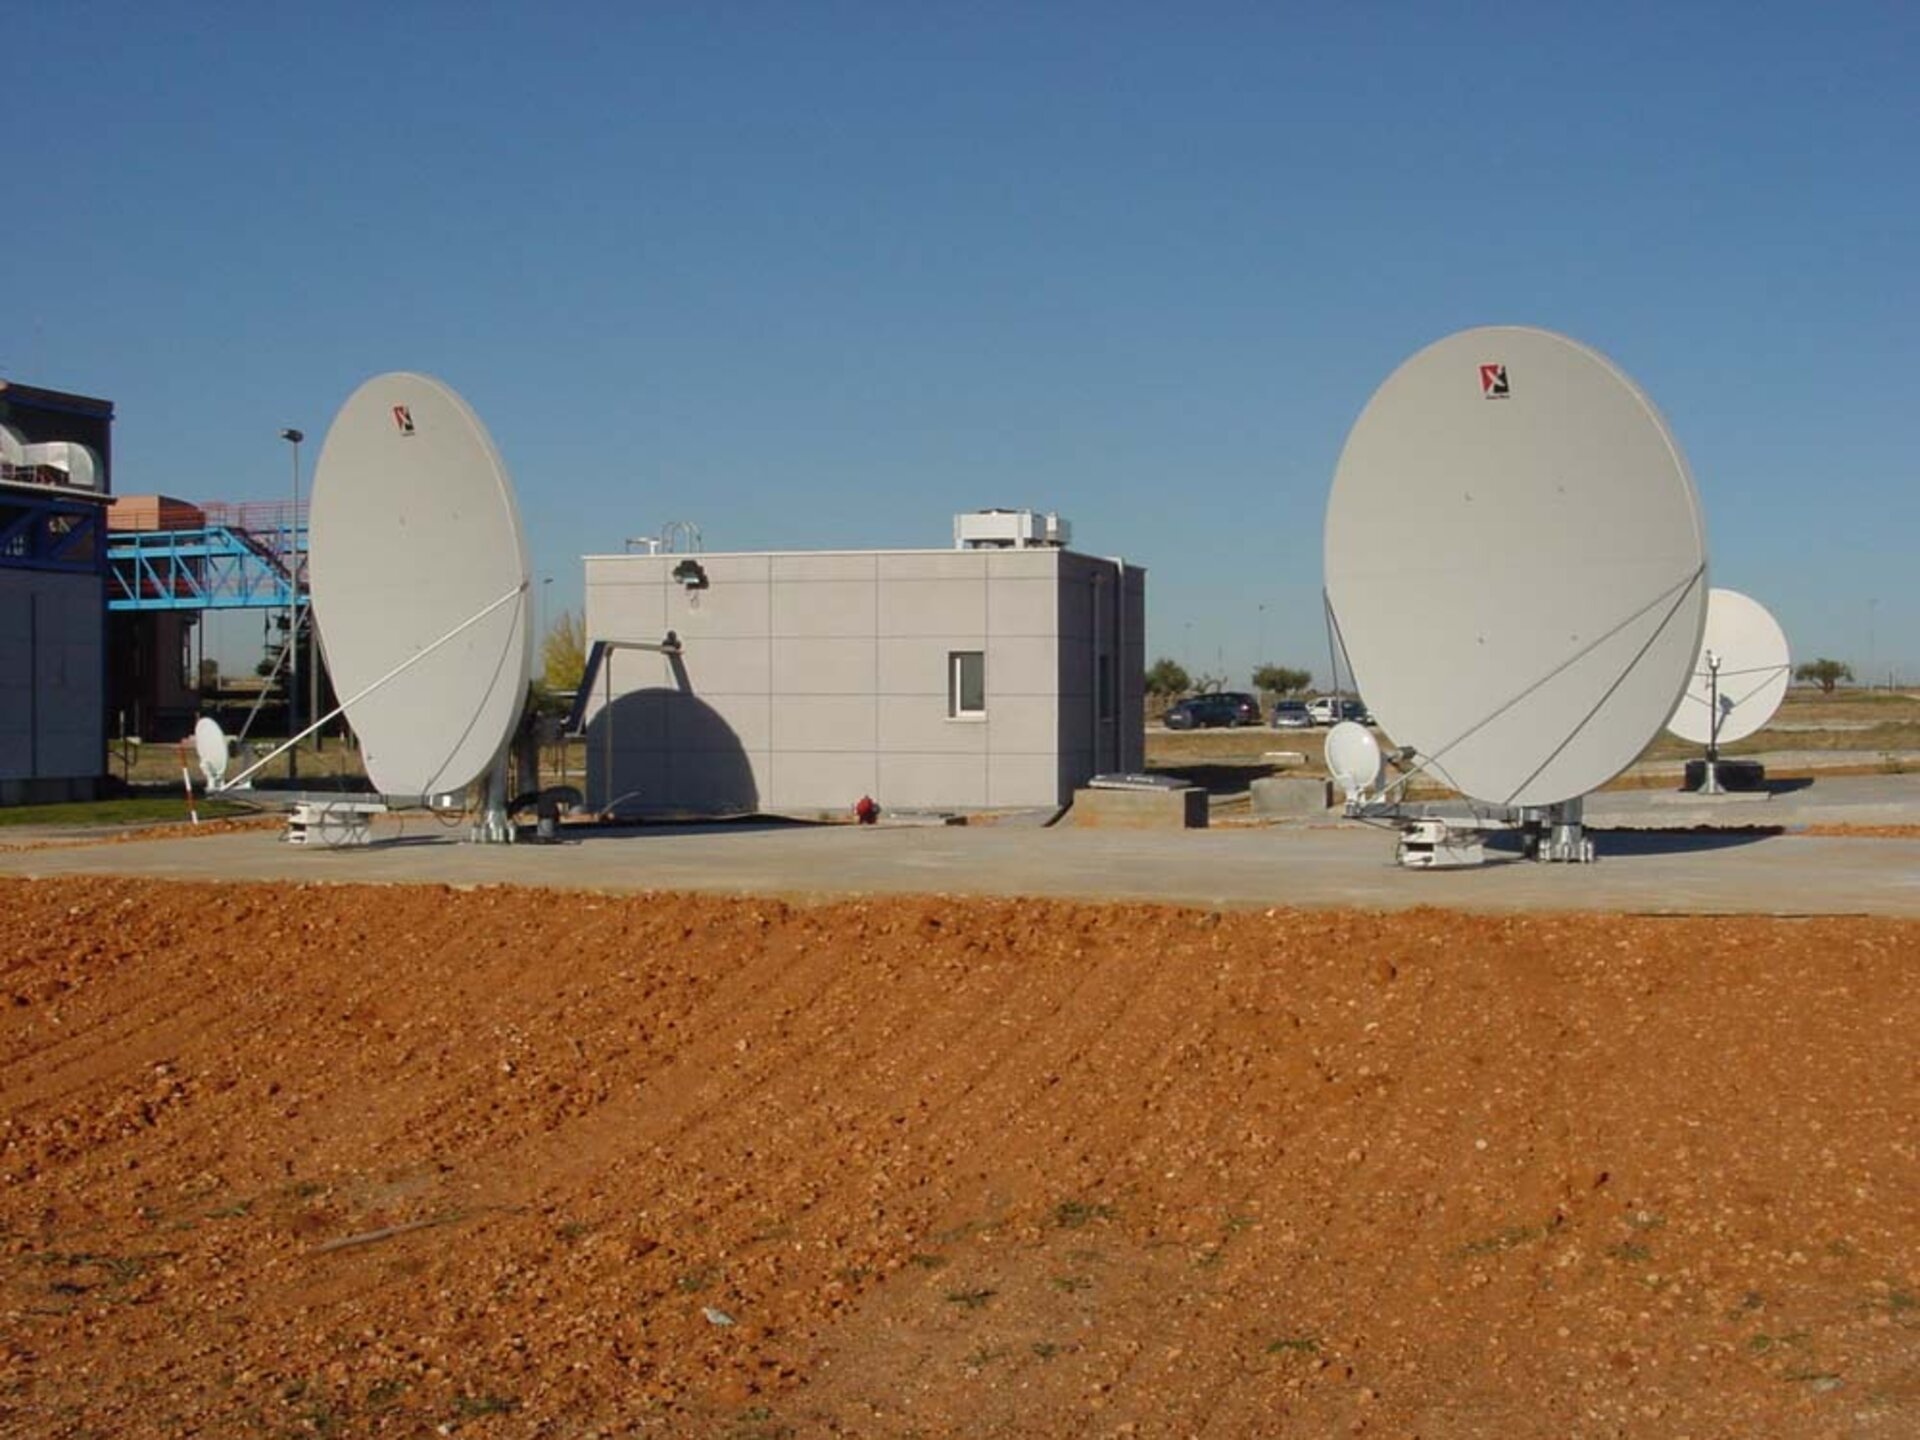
1328 709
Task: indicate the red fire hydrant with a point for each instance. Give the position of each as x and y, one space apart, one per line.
866 810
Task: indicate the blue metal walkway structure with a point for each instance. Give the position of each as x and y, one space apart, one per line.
215 566
47 529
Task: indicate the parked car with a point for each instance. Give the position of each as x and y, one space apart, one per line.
1291 715
1246 707
1328 710
1203 712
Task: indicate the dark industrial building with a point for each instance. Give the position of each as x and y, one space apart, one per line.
56 456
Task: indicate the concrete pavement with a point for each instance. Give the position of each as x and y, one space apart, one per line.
1671 869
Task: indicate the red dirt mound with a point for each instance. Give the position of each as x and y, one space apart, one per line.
329 1161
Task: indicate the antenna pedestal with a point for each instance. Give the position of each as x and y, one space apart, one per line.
1710 776
1710 772
495 825
1724 777
1557 834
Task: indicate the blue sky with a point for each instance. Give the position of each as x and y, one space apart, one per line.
819 275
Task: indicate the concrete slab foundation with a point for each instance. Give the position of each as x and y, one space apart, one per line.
1654 858
1281 796
1181 809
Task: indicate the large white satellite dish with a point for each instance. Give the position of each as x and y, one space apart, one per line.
420 584
1515 565
1740 673
1354 760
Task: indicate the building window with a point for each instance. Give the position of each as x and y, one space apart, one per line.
966 684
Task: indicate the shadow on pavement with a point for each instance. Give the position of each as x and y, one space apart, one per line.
1218 778
1666 842
626 828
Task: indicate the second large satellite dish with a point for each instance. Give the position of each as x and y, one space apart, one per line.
414 533
1742 670
1516 564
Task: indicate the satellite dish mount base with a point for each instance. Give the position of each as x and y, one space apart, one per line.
1710 775
1556 833
1715 776
494 825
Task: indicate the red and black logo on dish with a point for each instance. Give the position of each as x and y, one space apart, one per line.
1493 382
403 419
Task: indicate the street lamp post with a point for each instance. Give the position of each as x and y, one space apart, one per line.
1873 602
293 437
546 618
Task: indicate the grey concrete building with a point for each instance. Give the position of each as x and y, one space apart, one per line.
927 679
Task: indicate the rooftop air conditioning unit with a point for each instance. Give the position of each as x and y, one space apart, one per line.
78 466
1009 530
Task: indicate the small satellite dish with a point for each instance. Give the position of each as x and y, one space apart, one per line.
1516 565
420 584
210 744
1740 674
1354 760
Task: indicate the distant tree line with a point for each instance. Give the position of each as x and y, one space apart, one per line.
1281 679
1167 679
1825 673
